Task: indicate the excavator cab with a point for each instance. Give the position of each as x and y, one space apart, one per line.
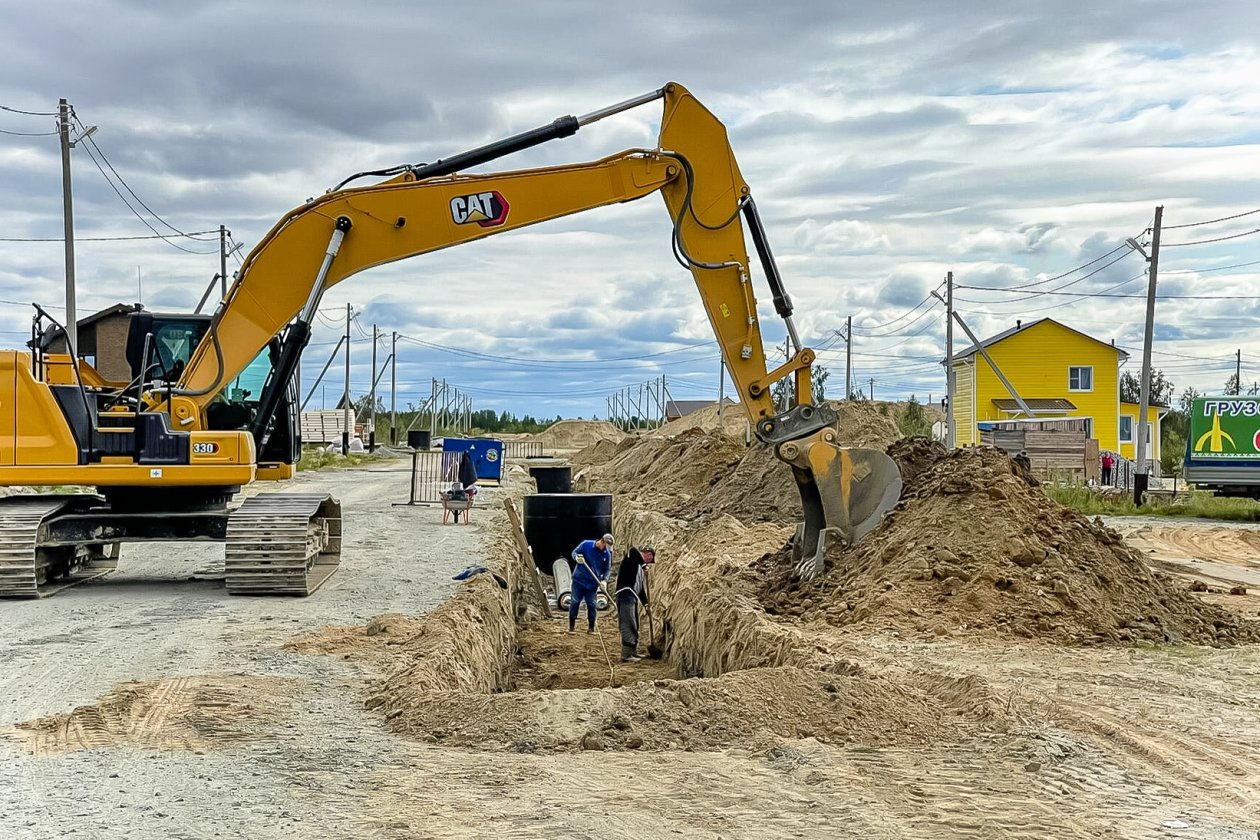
158 348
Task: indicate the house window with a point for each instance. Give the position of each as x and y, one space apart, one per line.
1126 428
1080 378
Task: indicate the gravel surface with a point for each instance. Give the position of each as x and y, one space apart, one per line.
150 620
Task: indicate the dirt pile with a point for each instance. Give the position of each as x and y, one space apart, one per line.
864 424
760 488
576 434
734 421
667 473
972 548
597 453
914 457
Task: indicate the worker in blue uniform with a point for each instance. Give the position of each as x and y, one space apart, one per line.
593 559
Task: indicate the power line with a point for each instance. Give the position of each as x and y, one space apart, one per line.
1055 290
1209 241
495 358
92 142
900 317
1212 221
97 238
28 133
28 113
1206 270
159 235
1051 279
901 329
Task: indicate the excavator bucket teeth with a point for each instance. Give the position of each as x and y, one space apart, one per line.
844 493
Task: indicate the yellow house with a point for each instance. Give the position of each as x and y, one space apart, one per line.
1058 372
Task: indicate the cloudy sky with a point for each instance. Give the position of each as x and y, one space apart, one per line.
886 143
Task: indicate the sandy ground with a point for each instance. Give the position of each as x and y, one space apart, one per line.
151 761
182 717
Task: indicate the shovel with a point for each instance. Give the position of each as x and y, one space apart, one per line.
654 650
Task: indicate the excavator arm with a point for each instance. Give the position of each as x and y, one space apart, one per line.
424 208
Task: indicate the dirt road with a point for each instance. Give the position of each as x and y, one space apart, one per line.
150 761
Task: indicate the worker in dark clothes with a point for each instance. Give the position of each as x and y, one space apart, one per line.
593 563
631 591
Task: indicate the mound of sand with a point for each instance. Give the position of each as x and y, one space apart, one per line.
914 457
864 424
734 422
597 453
576 434
973 548
667 472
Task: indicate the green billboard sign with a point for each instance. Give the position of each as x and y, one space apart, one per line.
1225 427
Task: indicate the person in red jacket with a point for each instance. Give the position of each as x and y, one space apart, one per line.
1107 463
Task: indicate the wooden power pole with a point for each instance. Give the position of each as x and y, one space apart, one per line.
1142 476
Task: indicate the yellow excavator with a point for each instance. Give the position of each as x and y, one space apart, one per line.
212 406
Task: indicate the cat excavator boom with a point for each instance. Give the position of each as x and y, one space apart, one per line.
211 406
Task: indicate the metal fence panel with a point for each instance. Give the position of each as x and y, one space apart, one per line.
431 473
519 450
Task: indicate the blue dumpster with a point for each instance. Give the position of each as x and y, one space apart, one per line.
486 454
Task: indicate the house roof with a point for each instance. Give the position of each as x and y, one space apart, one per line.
1019 328
1036 405
117 309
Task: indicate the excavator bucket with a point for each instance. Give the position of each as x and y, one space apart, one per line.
844 492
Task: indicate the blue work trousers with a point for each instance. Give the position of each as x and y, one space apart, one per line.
580 593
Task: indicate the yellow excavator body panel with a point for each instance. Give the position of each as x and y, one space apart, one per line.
33 429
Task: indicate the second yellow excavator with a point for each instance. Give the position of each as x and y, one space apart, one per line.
211 405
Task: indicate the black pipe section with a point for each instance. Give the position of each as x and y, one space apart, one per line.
782 303
295 340
561 127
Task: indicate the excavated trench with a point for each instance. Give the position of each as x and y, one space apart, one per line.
486 671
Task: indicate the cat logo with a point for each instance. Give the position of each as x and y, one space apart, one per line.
488 209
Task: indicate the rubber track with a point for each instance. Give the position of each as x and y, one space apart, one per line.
282 544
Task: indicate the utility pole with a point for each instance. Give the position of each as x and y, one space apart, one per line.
433 407
1238 371
346 427
721 389
1142 477
67 201
872 389
848 358
393 390
371 441
950 429
223 235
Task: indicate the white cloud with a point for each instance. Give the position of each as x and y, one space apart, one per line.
886 144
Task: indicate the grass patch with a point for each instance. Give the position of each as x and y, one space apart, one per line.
322 459
1191 504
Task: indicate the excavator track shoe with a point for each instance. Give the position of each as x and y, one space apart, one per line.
282 544
29 570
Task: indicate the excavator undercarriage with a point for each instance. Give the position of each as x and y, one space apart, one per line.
276 543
